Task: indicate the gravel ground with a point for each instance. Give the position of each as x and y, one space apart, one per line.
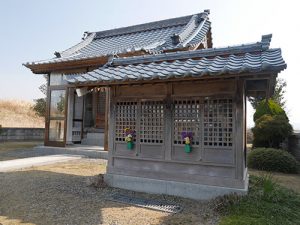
64 193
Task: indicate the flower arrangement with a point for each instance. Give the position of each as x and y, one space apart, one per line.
129 136
187 136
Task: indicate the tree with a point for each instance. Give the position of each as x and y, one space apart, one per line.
280 89
269 107
40 107
61 104
278 96
40 104
270 131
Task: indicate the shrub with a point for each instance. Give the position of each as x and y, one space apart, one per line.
268 107
271 131
271 159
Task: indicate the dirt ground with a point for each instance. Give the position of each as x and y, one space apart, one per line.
62 194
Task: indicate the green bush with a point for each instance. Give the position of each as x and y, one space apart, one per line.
271 159
271 131
268 107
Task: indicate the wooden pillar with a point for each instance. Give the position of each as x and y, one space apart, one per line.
106 126
111 130
168 123
239 129
70 116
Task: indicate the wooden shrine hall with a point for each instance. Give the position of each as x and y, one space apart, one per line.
169 108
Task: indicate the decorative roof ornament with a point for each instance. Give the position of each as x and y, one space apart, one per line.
57 54
175 39
266 41
85 35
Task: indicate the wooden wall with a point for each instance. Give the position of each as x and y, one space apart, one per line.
213 111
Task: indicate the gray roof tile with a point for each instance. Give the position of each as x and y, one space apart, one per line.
250 58
152 38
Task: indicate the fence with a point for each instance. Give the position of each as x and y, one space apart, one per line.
21 134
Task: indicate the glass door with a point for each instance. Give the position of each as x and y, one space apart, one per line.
56 118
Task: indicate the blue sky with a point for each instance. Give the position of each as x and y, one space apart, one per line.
33 30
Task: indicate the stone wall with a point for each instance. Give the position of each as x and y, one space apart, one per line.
21 134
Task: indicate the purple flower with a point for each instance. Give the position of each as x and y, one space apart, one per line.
185 134
129 131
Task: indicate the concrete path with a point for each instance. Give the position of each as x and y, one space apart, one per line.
84 150
10 165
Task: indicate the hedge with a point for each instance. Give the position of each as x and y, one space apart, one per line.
271 159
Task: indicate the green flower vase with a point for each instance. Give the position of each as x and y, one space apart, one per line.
187 148
130 145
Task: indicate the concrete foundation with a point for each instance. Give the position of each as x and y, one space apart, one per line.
186 190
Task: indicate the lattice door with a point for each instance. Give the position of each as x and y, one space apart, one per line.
218 123
152 122
186 117
126 116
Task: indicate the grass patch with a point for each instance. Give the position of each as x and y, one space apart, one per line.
16 113
10 146
266 203
290 181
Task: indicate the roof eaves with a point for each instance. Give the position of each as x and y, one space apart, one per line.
198 29
80 45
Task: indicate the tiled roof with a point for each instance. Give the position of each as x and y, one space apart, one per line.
155 37
250 58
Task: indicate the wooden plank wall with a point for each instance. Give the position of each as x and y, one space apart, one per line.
162 160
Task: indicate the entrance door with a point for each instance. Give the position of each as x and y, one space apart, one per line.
56 118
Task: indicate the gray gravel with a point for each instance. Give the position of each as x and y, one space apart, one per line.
71 193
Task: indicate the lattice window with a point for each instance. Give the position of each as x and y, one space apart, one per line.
218 123
126 112
186 117
152 122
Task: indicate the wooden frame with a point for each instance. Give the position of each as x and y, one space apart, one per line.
48 142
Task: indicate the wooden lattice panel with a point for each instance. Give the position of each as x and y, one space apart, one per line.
126 116
152 122
186 117
218 123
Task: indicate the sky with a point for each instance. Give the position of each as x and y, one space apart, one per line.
33 30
